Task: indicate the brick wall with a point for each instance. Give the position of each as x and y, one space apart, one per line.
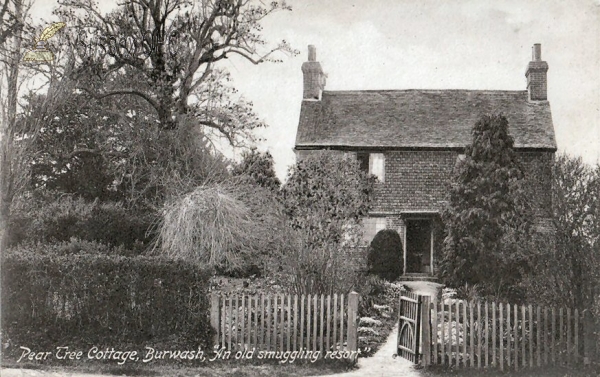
417 181
537 167
414 181
537 85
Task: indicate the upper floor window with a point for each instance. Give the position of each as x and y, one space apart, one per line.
372 163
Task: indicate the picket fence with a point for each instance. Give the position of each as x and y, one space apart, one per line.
483 334
279 322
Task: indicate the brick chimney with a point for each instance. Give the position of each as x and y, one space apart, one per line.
537 83
314 78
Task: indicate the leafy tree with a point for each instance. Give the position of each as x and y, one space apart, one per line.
326 196
567 273
324 199
259 168
70 153
385 255
487 216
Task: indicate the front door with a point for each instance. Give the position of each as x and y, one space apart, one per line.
418 246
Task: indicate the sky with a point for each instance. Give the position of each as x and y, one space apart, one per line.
426 44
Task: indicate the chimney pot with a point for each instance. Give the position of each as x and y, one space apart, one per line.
312 53
537 52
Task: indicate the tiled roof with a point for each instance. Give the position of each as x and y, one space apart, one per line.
419 118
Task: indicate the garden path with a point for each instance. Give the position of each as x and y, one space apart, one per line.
383 364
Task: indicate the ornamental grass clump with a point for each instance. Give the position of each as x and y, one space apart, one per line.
211 225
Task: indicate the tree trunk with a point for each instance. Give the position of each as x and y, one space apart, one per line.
7 168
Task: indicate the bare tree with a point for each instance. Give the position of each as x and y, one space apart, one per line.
19 131
170 49
11 39
11 19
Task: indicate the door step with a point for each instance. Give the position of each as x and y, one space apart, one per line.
417 277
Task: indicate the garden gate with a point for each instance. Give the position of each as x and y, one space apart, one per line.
413 322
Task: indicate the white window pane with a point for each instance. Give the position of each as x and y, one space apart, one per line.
372 225
379 224
377 165
368 229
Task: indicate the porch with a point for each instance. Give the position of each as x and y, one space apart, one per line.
421 235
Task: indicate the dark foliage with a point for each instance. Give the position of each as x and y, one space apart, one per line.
324 199
326 196
72 154
66 217
259 168
488 218
385 255
85 300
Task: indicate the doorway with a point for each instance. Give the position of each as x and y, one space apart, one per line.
418 245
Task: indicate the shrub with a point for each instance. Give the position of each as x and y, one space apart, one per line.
385 255
377 291
371 291
60 219
303 268
70 247
52 299
221 225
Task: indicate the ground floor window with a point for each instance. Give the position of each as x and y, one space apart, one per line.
372 225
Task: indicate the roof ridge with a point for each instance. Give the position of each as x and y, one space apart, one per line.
424 90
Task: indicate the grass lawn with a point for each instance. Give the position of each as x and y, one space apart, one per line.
553 371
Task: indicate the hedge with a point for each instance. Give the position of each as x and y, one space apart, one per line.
103 300
65 217
384 257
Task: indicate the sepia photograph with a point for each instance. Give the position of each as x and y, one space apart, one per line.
299 188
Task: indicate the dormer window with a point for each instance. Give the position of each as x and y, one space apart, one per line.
372 163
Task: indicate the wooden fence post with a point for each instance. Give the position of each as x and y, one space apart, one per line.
215 316
589 338
426 330
353 322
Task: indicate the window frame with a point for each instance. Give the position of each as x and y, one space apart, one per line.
367 160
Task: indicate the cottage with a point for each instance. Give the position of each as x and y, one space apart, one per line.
412 139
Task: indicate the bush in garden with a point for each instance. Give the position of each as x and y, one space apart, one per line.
63 248
303 268
371 291
324 199
385 255
67 297
60 219
228 226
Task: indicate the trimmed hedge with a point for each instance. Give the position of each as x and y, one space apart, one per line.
103 300
385 255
